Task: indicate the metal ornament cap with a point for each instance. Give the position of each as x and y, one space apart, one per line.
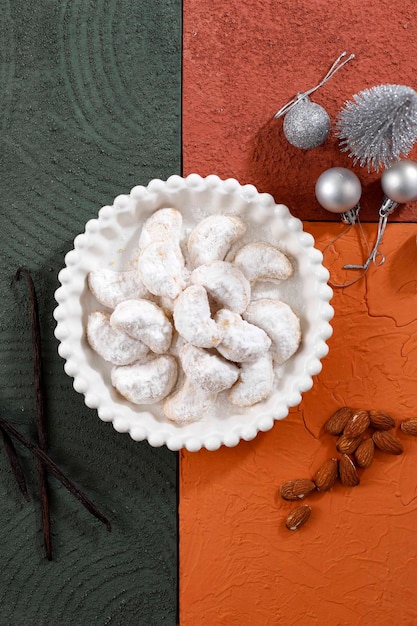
306 125
338 190
399 182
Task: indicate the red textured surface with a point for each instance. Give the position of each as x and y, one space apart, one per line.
353 564
243 60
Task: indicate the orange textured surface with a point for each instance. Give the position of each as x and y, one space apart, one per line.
353 563
243 60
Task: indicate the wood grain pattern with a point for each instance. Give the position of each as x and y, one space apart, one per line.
90 107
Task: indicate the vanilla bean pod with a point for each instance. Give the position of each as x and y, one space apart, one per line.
54 469
15 464
41 425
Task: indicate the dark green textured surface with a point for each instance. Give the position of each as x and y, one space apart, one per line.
90 107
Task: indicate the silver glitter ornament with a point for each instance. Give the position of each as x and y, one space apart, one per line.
379 125
306 125
339 190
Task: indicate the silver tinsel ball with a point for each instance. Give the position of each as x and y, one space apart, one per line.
338 190
306 125
399 182
379 125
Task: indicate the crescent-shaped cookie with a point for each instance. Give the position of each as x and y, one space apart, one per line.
225 283
111 344
146 382
192 318
280 323
241 341
110 288
262 261
163 225
161 268
211 239
209 371
144 320
189 403
255 382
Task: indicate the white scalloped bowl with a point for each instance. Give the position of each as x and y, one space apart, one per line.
110 241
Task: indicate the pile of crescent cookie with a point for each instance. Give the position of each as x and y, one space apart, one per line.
183 325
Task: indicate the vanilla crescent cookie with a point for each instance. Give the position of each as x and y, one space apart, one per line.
212 237
192 318
255 382
110 287
189 403
111 344
241 341
144 320
209 371
225 283
262 261
161 268
148 381
163 225
280 323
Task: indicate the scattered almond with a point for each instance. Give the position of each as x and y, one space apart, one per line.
364 453
357 424
337 422
409 426
297 489
298 517
380 420
348 445
387 442
326 475
347 472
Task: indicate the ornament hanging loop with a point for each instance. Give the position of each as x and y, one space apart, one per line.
385 211
337 65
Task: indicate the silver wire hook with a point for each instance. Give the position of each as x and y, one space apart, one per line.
337 65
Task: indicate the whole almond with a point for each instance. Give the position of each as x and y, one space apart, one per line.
387 442
326 475
347 472
409 426
297 489
364 453
348 445
380 420
298 517
357 424
336 423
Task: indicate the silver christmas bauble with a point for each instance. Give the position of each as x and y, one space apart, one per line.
306 125
399 182
338 190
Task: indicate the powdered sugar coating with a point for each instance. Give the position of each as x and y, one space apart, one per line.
110 288
163 225
211 239
262 261
280 323
209 371
148 381
144 320
255 382
192 318
241 341
111 344
161 268
189 403
225 283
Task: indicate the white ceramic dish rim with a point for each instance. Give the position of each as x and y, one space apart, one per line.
93 244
